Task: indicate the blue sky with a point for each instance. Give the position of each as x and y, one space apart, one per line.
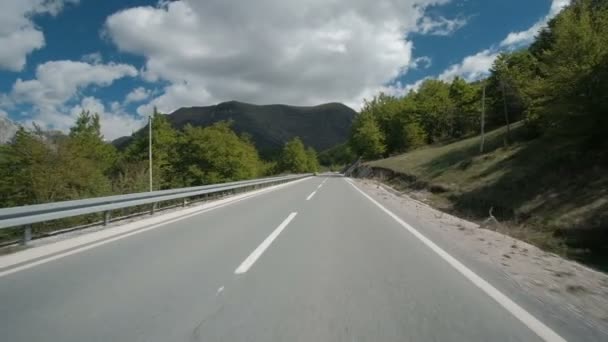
122 57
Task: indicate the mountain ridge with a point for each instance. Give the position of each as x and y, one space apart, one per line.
270 126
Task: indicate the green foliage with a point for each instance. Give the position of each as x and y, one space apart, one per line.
27 169
413 135
295 158
557 86
367 140
574 66
164 151
215 154
321 127
513 83
438 111
312 160
434 106
91 156
130 177
36 169
338 155
551 185
464 118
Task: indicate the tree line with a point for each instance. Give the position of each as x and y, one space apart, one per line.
558 87
39 167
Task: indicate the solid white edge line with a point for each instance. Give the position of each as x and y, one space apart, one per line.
253 257
27 264
525 317
310 196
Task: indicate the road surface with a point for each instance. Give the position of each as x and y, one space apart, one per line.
311 261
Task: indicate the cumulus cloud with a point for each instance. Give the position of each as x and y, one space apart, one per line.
472 67
18 34
92 58
299 52
517 39
415 86
476 66
423 62
440 26
58 82
137 95
114 124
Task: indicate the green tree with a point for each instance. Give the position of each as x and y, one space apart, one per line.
90 156
367 140
413 135
341 154
28 171
434 106
465 111
386 112
164 151
215 154
312 160
293 157
36 168
573 59
512 87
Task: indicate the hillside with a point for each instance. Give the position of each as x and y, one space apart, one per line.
270 126
543 190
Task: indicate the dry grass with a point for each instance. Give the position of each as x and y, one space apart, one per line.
545 190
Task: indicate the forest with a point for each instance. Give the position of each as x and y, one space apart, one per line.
40 167
557 87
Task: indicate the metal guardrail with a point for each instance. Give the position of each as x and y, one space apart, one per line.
27 215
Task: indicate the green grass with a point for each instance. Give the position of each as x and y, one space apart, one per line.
545 190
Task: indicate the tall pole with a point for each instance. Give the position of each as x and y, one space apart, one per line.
483 117
150 148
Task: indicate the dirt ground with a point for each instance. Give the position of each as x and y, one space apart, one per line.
546 276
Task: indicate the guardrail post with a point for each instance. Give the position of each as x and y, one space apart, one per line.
153 209
27 234
106 217
184 202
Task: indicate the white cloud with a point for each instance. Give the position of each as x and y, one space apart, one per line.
314 51
114 124
440 26
93 58
472 67
476 66
18 34
416 85
137 95
58 82
521 38
423 62
115 106
176 95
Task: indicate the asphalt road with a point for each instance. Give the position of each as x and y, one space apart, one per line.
287 265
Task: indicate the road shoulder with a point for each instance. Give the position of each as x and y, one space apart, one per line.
565 293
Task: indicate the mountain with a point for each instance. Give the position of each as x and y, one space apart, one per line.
270 126
7 130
